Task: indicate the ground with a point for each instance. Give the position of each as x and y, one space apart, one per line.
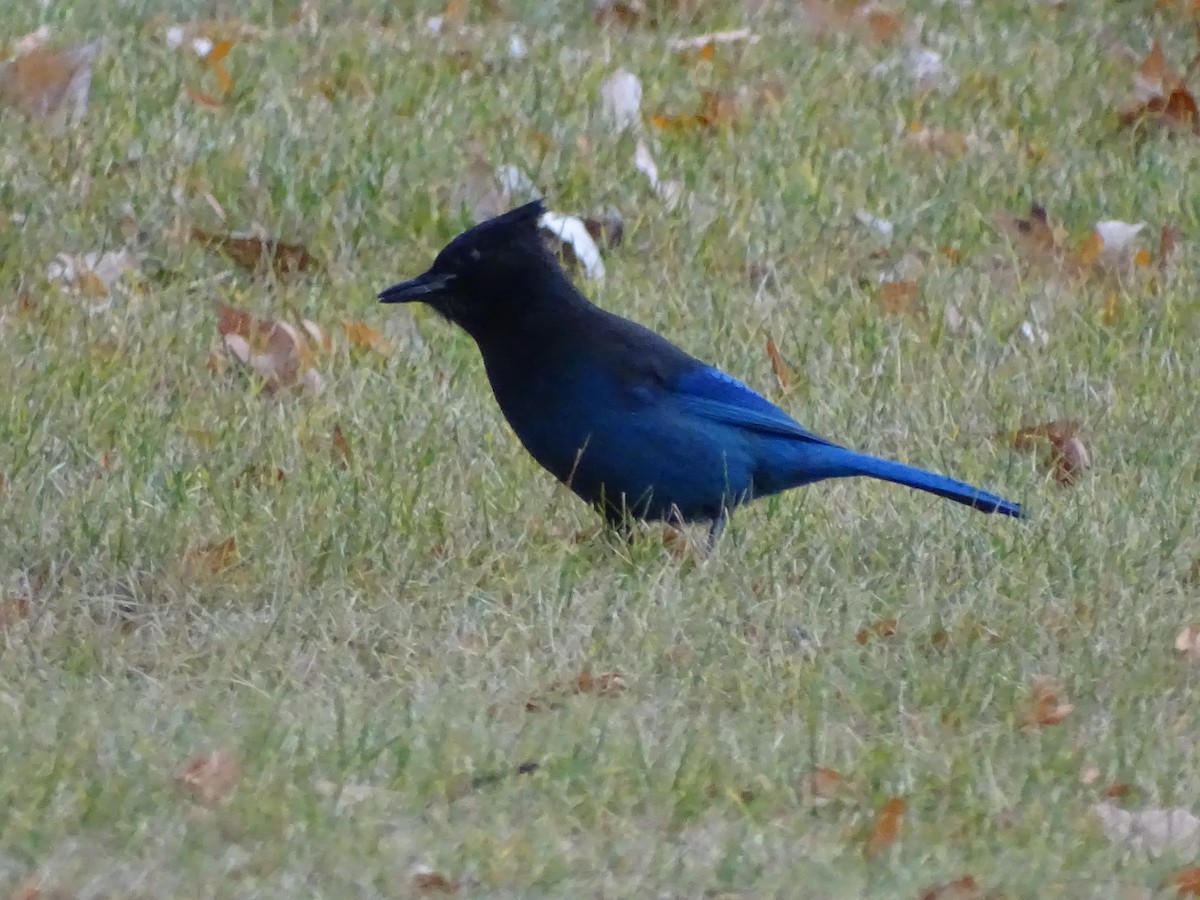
236 660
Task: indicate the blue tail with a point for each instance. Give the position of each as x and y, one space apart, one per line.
943 486
831 461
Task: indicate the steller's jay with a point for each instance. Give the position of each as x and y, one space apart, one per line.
621 416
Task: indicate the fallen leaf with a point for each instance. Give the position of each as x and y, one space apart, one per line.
572 232
882 628
202 99
363 337
1118 790
1033 235
965 888
865 20
625 13
212 556
210 778
621 100
886 827
426 880
822 785
898 298
700 41
1046 704
1116 236
1168 239
1185 882
214 60
1089 775
606 684
1187 643
1067 457
1155 831
256 475
669 192
92 276
778 366
937 141
254 252
342 455
14 609
1160 96
44 82
277 351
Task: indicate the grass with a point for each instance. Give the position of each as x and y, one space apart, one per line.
369 655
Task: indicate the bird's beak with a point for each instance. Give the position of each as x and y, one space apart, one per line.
426 287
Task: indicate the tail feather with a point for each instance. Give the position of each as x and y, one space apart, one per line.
922 480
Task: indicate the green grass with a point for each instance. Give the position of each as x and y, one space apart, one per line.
386 624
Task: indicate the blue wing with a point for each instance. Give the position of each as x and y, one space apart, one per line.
710 393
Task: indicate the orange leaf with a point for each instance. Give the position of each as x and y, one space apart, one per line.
1186 882
200 98
606 684
1046 704
965 888
219 51
455 12
342 454
252 252
1142 258
364 337
213 556
822 784
1068 455
886 827
883 628
210 778
899 297
778 366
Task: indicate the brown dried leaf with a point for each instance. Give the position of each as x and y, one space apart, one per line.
886 827
778 366
202 99
1046 704
965 888
822 785
425 880
882 628
277 351
42 82
1068 455
865 20
625 13
1185 882
210 778
14 609
253 252
606 684
1033 234
937 141
363 337
212 556
898 298
342 454
1187 643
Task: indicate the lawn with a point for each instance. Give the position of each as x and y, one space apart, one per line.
259 639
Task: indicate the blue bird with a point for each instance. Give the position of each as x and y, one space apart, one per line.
624 418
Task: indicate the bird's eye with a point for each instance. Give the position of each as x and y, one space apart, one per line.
475 255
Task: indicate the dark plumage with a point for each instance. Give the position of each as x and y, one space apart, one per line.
620 415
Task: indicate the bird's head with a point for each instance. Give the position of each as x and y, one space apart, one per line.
482 269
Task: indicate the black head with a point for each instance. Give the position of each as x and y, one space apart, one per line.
482 269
